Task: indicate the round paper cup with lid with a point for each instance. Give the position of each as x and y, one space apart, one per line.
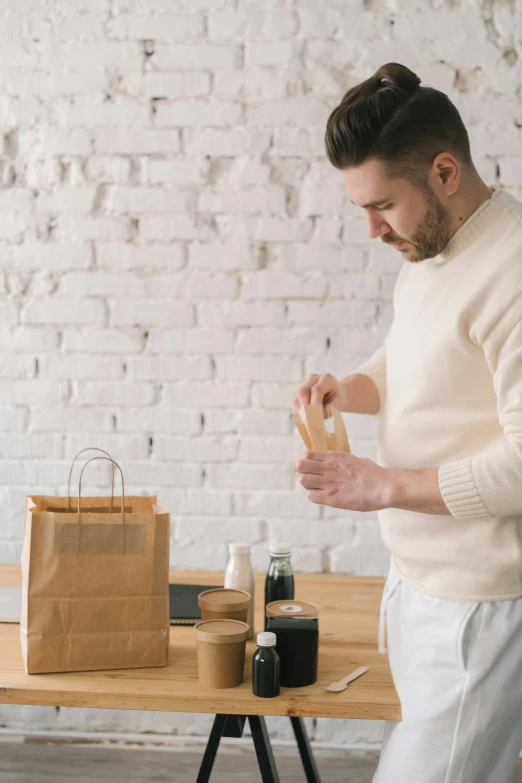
291 609
220 648
224 604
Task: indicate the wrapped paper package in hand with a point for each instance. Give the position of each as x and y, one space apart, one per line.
311 423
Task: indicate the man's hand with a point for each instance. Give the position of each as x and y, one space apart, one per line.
343 481
358 484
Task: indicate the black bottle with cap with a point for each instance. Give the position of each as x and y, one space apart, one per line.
265 667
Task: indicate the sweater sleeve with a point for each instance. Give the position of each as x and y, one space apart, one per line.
375 368
489 483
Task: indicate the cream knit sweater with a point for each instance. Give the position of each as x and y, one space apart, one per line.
449 378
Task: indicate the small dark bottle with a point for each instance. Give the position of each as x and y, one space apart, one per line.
279 582
265 667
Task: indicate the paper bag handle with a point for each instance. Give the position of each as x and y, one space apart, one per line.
89 448
109 459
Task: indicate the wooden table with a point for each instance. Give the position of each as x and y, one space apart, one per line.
348 622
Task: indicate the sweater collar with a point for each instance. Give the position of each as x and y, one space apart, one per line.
472 228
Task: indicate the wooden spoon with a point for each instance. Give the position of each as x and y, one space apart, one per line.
336 687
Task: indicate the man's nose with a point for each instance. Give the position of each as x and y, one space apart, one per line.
377 228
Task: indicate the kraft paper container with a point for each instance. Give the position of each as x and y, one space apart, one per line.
224 604
220 648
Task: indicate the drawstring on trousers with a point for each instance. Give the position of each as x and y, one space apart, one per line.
389 589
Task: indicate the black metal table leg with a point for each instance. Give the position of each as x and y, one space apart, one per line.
305 751
265 757
209 756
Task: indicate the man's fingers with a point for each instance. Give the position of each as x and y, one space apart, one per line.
303 393
312 481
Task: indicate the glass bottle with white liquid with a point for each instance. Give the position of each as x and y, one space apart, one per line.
240 576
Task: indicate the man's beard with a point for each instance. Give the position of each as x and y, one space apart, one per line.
432 233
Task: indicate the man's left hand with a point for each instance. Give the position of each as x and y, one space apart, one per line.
341 480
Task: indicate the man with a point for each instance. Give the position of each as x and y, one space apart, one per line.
447 384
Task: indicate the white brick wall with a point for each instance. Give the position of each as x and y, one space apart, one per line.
176 255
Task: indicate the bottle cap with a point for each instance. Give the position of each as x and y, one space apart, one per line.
266 639
239 548
279 548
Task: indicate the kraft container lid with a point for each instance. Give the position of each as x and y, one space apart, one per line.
223 599
291 609
222 631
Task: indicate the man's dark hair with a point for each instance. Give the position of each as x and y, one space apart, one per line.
392 118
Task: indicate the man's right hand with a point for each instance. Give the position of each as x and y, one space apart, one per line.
321 389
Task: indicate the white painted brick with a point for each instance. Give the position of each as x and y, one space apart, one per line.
203 448
203 55
125 256
13 419
141 141
52 256
267 284
218 395
365 556
95 340
252 84
104 229
26 392
100 54
188 113
64 311
332 314
169 85
248 422
18 446
258 368
168 368
273 341
167 229
108 169
50 140
270 199
9 314
120 285
65 367
196 341
67 200
198 502
197 529
203 285
165 419
273 395
280 53
28 339
328 257
123 448
121 200
191 171
297 111
152 475
17 367
112 393
167 27
280 504
267 449
153 312
311 532
222 255
241 313
69 419
229 141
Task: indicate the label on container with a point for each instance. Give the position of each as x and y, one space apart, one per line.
290 608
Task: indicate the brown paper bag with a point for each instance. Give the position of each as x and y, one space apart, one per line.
95 574
311 424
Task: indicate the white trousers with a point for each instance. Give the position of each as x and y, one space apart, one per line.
457 668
